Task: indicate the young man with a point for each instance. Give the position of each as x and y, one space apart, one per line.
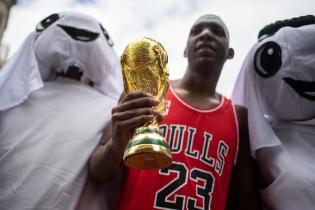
207 133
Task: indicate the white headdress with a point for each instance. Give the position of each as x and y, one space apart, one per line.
277 82
61 40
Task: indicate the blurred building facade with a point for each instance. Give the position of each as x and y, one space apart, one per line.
5 6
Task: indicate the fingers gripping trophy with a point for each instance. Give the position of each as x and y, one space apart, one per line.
144 68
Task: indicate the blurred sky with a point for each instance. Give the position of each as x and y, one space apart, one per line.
167 21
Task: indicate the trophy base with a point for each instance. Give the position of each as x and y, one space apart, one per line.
148 149
147 156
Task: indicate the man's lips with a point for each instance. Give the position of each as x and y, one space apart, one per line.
205 46
205 50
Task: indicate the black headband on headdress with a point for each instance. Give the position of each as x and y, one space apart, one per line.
296 22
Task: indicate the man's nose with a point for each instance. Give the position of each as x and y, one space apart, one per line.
207 34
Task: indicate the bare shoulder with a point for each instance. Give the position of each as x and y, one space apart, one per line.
242 127
241 113
176 86
175 83
245 183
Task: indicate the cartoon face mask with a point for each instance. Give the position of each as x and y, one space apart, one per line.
67 39
276 82
60 41
283 70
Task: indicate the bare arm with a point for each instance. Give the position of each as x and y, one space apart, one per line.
244 186
133 110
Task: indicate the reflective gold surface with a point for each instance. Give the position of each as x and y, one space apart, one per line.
144 68
147 156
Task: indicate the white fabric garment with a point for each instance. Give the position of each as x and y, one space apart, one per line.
46 143
50 124
281 121
43 53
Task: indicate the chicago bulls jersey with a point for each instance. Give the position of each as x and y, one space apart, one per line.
204 145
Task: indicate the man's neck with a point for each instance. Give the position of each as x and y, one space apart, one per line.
198 90
200 83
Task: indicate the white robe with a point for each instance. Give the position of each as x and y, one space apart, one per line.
282 122
46 142
292 165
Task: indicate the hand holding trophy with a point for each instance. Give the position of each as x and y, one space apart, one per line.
144 69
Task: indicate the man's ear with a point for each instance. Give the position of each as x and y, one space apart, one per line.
185 52
230 53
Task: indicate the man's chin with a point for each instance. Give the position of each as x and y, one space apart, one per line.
206 59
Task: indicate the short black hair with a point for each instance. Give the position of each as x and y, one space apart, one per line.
295 22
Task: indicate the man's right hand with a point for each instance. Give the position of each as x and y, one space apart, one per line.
133 110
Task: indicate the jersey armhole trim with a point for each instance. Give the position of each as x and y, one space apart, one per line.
237 133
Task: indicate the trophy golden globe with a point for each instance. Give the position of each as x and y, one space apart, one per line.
144 68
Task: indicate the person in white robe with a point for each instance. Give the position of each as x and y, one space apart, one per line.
277 85
56 96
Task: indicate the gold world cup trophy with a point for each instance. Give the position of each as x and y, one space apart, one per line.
144 68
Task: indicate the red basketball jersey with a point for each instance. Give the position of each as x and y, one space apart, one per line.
204 145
